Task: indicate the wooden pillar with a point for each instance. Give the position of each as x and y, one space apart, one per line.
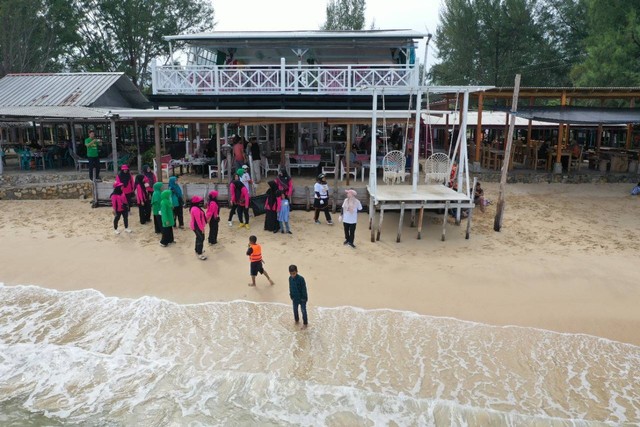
347 157
283 130
599 138
156 140
218 153
557 167
114 146
446 133
479 133
530 125
137 141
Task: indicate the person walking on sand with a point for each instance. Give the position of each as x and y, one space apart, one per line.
283 214
321 199
120 208
198 225
168 221
156 199
271 208
350 208
255 257
177 200
298 295
213 217
142 199
240 201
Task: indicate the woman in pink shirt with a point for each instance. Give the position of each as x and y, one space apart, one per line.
198 224
213 217
120 208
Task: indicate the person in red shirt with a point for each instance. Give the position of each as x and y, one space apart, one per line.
239 158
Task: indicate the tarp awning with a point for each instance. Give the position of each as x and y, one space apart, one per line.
581 115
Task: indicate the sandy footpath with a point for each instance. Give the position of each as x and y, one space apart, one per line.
566 260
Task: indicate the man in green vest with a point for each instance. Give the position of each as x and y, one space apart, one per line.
92 144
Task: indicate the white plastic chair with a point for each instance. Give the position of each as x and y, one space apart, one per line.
393 167
214 169
343 170
436 168
266 167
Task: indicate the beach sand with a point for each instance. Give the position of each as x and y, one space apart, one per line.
566 260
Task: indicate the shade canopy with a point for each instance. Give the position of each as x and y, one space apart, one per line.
581 115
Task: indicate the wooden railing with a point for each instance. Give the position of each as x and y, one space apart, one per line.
283 79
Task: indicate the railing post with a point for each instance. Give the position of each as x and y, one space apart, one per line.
349 80
283 80
154 77
216 80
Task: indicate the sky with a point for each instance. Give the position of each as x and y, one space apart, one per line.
285 15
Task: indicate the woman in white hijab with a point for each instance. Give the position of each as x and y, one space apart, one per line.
350 208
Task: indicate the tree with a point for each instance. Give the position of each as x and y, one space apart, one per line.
125 35
35 35
489 41
343 15
612 46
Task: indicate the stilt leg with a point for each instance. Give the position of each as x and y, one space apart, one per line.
372 215
420 215
413 218
444 220
380 223
400 222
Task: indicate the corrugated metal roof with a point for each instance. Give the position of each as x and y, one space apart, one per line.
297 35
64 112
60 89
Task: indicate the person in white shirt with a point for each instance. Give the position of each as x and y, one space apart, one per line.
350 208
246 180
321 199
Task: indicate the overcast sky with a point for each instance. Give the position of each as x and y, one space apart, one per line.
284 15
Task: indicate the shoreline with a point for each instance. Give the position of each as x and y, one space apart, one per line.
563 262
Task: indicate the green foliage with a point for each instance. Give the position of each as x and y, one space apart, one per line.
489 41
148 156
613 45
343 15
126 35
34 35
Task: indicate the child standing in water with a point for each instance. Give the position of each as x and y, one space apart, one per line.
198 224
298 295
156 198
283 213
213 217
255 257
120 208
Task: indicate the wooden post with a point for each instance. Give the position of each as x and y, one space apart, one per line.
479 133
473 192
413 218
557 167
380 222
420 216
347 158
307 195
372 214
156 139
530 125
599 139
114 146
629 132
497 224
218 153
283 135
444 219
400 222
137 141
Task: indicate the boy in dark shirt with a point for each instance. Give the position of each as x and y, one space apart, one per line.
298 294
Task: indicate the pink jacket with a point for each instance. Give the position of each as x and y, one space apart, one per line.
197 218
128 189
142 196
118 202
213 211
243 191
275 208
288 190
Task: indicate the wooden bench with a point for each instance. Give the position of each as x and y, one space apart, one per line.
303 161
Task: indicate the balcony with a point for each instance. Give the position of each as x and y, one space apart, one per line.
283 80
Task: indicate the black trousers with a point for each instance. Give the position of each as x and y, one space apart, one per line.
199 240
213 230
325 209
243 211
145 212
232 212
178 215
303 309
125 218
94 167
167 235
157 223
349 232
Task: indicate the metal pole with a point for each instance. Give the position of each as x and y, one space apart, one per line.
416 142
114 146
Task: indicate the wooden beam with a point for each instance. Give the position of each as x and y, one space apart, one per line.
479 133
399 237
420 216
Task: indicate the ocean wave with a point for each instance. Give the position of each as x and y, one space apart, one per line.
80 357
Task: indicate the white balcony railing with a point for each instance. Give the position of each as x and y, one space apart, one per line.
283 79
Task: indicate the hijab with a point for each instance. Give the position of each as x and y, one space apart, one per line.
125 177
351 203
272 193
146 170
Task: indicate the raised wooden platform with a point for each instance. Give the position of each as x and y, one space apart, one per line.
401 197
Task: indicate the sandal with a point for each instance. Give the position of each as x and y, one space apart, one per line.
202 257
